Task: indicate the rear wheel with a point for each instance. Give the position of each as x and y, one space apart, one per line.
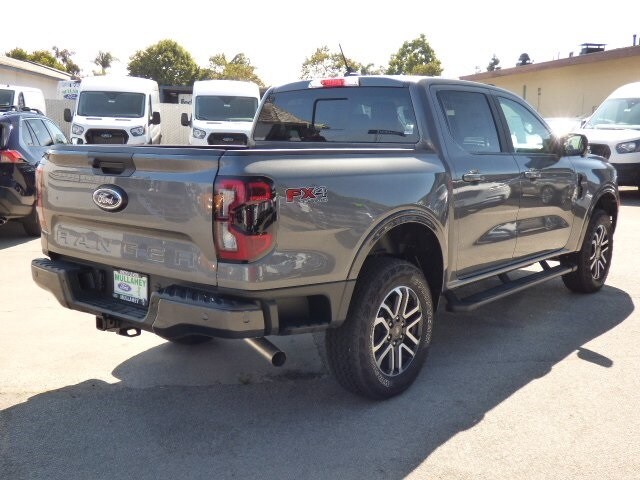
594 258
379 350
31 223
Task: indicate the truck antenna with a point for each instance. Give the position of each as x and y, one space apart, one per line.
350 71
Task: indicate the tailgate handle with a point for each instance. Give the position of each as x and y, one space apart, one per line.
106 166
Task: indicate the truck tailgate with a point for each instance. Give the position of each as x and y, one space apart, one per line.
163 227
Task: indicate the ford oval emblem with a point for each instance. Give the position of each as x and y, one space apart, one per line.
124 287
110 198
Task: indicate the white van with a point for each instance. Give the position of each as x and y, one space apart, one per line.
614 132
222 112
15 97
113 109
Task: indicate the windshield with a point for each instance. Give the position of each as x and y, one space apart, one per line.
111 104
225 108
348 114
616 113
6 99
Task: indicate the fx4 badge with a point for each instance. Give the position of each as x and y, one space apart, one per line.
307 194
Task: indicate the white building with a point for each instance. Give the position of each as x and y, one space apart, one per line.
30 74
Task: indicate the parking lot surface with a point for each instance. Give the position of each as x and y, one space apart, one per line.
544 384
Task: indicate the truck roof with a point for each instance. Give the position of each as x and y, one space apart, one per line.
226 87
385 81
111 83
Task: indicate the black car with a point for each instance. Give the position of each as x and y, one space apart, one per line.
24 138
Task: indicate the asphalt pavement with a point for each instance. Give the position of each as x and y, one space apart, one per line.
542 385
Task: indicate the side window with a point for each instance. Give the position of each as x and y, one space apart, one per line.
528 134
470 120
20 101
27 137
56 133
42 134
150 109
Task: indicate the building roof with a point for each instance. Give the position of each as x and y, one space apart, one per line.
33 67
596 57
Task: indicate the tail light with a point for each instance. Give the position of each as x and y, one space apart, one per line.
11 156
243 213
39 194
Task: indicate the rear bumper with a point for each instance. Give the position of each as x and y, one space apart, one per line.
173 312
179 310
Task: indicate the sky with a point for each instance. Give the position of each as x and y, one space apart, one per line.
278 36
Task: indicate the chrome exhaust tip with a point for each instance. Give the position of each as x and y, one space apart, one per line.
268 350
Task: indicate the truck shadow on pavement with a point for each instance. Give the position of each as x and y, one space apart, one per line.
305 425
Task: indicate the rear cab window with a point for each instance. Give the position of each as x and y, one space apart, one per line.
470 121
353 114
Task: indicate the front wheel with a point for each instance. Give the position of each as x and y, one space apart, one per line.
379 350
594 258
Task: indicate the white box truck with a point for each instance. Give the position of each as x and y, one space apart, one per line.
222 112
119 110
15 97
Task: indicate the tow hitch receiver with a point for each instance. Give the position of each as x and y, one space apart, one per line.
107 324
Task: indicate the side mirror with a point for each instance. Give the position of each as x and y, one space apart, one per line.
575 144
67 115
155 118
184 120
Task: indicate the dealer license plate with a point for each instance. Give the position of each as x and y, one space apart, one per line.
131 287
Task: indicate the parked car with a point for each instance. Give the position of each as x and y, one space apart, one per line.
24 138
614 133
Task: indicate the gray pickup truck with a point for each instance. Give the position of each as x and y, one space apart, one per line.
359 204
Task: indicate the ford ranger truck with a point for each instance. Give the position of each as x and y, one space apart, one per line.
357 206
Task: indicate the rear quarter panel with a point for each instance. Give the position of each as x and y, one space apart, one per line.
349 193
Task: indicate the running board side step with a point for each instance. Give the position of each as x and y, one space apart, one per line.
455 304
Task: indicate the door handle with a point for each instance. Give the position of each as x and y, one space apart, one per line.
532 174
473 176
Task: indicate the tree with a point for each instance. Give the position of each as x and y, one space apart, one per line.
18 54
238 68
42 57
166 62
493 64
524 59
64 56
323 63
104 61
415 57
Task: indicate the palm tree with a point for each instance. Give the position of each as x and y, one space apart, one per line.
104 60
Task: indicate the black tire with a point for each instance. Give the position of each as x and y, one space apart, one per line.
380 332
190 340
594 258
31 224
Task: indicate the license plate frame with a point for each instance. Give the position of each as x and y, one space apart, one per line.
131 287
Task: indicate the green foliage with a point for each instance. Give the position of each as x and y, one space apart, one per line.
60 60
238 68
324 64
415 57
104 61
64 56
493 64
18 54
166 62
